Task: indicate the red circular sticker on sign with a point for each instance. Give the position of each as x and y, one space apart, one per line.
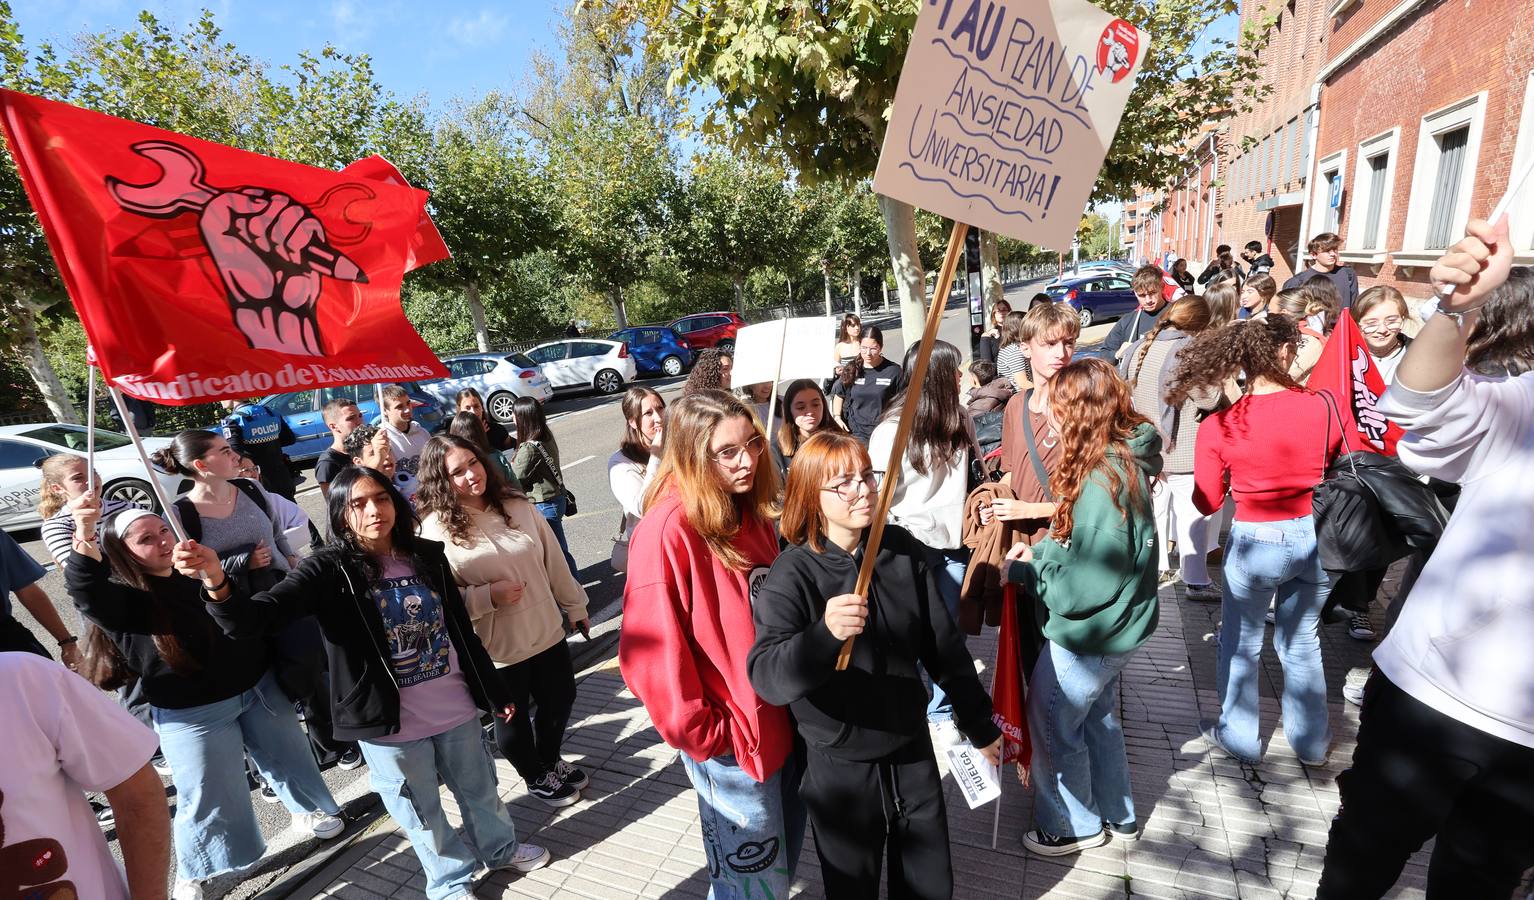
1117 50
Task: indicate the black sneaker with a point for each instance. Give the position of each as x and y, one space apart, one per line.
104 815
161 766
269 794
552 791
1046 844
1130 832
571 776
351 759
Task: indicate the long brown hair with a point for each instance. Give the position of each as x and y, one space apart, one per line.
437 495
114 542
55 469
1188 314
849 320
1096 416
1224 301
1220 353
635 446
788 432
939 431
822 456
687 470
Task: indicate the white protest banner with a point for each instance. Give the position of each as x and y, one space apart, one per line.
1004 113
784 349
973 773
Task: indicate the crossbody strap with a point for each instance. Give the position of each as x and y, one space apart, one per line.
1033 449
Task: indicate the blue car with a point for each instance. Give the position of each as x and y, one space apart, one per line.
657 349
301 410
1095 298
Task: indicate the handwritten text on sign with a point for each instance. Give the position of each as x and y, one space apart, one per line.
1005 112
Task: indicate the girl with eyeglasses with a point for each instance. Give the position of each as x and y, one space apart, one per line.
696 561
871 779
1380 312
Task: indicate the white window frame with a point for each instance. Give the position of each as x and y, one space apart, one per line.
1521 210
1469 111
1335 162
1358 206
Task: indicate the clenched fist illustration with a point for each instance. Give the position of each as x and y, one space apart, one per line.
270 250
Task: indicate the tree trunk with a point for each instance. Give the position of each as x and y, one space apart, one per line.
620 315
992 286
910 281
740 294
30 348
477 315
857 291
825 270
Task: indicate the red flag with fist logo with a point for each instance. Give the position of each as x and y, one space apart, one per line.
1346 370
203 272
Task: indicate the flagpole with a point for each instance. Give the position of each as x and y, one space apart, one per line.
1001 782
168 509
772 401
918 376
90 428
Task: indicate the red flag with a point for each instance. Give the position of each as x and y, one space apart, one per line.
426 245
1007 687
1346 370
1170 289
202 272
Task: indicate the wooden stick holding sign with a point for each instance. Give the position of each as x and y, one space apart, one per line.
917 377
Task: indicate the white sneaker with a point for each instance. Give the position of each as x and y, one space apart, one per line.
187 890
322 825
945 734
527 858
1353 693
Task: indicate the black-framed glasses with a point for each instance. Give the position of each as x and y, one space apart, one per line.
847 488
731 456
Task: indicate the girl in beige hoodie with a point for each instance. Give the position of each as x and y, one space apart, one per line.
520 593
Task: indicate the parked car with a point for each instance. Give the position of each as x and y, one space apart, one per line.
704 330
123 477
578 363
500 380
657 349
301 410
1095 298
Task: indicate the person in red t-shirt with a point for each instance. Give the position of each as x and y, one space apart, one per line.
1268 450
696 558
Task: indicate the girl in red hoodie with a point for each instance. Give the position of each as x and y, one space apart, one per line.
699 553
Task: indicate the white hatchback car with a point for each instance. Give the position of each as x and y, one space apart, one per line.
500 380
22 447
577 363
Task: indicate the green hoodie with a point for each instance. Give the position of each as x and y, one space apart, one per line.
1099 587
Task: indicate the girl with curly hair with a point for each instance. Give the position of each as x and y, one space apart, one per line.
1268 450
507 563
710 372
1095 577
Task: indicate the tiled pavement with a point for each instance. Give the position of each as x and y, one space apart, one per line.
1212 827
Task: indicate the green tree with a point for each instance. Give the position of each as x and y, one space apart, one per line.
741 216
854 239
812 81
488 198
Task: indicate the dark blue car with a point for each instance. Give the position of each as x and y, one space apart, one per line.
1095 298
657 350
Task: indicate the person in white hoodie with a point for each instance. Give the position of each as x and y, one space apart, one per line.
1446 743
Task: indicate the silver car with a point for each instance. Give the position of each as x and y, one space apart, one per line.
499 378
123 477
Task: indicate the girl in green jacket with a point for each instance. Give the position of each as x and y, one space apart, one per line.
1095 579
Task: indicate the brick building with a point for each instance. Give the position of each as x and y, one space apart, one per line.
1188 223
1424 107
1136 212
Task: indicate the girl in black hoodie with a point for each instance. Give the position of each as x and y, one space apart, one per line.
871 778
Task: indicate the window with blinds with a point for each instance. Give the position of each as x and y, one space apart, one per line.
1451 146
1376 200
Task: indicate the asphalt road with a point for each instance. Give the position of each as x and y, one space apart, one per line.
588 428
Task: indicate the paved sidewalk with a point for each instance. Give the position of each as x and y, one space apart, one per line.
1212 827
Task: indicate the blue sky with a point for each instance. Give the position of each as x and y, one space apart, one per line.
445 48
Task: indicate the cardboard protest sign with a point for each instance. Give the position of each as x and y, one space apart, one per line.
973 773
1004 113
784 349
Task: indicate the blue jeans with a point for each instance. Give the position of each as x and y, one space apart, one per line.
1080 769
948 571
554 512
407 776
752 831
1277 560
215 827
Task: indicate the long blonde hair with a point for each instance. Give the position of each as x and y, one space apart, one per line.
55 469
687 470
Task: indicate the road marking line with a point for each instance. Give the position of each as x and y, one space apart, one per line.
576 463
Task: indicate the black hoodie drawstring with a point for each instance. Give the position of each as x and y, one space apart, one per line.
889 792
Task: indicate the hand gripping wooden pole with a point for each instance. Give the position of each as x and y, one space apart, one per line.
917 378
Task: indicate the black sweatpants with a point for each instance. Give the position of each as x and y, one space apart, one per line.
860 809
1417 773
543 688
301 667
